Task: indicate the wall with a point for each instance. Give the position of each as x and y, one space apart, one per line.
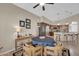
9 17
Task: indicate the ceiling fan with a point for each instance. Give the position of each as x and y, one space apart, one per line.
43 7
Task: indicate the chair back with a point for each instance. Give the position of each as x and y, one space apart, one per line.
37 51
50 51
59 50
53 51
27 51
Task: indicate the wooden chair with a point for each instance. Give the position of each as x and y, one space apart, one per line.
37 51
59 49
32 51
53 51
27 50
50 51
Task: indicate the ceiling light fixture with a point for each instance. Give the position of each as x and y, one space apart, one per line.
42 5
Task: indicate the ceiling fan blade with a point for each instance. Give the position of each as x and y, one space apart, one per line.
50 3
43 8
36 5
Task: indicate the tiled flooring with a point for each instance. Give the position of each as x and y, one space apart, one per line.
72 46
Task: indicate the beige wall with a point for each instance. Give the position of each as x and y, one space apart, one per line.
9 17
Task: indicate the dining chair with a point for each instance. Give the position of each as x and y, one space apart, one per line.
50 51
59 48
27 51
53 51
37 51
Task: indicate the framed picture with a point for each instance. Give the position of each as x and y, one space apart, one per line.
28 23
22 23
28 26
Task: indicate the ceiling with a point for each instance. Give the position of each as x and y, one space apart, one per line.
56 12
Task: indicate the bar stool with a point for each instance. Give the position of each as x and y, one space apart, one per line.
66 37
58 37
70 35
75 35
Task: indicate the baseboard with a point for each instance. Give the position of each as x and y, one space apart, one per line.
1 54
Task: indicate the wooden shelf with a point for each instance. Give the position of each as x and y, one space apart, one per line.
20 39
